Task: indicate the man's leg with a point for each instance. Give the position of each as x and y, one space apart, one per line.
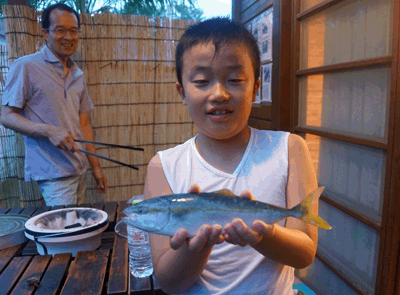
81 191
60 191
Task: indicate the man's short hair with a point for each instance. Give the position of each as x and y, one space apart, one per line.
59 6
219 31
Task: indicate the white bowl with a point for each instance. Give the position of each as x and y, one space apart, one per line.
53 233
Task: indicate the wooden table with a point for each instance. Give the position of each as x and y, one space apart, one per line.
103 271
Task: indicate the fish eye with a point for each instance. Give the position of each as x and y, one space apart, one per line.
141 210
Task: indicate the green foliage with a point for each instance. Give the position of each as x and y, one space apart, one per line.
142 7
2 2
108 6
185 9
177 9
81 6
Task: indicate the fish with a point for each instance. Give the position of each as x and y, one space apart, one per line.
164 215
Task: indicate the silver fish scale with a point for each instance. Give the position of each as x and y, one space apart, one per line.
202 201
190 211
166 214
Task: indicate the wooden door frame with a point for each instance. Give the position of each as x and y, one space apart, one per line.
282 117
388 275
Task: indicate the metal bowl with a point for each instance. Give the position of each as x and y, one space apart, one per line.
12 230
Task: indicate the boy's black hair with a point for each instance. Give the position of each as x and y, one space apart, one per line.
59 6
219 31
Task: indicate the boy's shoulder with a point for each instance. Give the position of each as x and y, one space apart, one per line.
269 134
267 131
178 149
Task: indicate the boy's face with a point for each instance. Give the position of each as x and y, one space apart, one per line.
218 89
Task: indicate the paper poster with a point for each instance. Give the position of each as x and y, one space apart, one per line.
266 82
262 31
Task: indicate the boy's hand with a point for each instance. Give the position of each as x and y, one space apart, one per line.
206 237
239 233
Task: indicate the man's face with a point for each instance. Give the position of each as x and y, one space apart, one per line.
62 45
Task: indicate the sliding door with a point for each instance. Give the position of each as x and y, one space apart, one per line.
344 97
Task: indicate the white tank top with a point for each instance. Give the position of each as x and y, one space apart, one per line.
263 170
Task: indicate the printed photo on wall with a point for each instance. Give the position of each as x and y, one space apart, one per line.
266 82
262 31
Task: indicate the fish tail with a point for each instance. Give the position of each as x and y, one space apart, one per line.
305 207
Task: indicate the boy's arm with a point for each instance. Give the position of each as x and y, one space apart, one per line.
177 261
296 244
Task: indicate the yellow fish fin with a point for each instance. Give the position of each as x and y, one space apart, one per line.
226 192
305 207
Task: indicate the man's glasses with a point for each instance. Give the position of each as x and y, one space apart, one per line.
60 32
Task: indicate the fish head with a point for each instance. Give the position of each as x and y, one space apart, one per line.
151 215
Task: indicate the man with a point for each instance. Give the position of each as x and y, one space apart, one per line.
46 100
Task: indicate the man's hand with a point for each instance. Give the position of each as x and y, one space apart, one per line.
62 138
101 180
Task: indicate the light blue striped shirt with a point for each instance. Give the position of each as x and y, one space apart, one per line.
37 84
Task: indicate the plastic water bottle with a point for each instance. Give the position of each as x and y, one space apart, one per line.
140 263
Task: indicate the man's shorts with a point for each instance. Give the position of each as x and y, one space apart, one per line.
64 191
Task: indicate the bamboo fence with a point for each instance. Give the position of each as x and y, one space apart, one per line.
128 61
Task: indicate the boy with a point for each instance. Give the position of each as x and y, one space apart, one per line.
218 66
